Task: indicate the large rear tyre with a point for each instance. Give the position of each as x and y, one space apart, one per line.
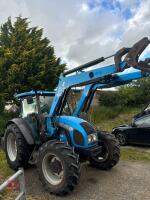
58 167
110 154
18 151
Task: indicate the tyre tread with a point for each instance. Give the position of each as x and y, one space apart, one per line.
73 166
114 152
24 150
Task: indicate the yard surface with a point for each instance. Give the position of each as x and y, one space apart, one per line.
130 179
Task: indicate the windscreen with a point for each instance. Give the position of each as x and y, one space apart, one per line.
45 103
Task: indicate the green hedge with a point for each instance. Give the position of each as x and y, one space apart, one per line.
125 96
4 117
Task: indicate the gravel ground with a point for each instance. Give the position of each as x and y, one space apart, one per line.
127 181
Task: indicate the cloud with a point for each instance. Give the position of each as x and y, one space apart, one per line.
83 30
12 8
138 26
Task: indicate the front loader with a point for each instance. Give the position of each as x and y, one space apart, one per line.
56 142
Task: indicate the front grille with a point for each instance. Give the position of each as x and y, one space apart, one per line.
78 138
88 128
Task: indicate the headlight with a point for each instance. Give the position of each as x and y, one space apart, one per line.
92 137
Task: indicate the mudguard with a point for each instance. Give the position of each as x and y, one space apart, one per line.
24 128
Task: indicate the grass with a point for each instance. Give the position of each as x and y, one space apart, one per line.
4 118
134 154
5 171
106 118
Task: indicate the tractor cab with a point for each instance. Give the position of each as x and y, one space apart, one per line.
35 102
35 107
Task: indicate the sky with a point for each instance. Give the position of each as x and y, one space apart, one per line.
83 30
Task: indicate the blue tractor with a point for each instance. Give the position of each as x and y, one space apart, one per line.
58 142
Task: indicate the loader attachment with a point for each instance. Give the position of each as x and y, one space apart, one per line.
134 53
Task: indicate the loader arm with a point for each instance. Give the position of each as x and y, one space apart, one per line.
79 79
100 75
118 79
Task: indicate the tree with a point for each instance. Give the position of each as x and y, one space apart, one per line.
27 60
143 84
137 93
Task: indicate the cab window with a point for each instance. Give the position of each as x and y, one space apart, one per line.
28 108
31 107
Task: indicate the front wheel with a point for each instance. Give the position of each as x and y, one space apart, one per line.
110 154
58 167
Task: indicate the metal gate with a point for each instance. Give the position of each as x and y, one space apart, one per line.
20 176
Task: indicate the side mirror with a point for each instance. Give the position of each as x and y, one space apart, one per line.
30 100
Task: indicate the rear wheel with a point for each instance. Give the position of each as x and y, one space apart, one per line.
58 167
18 151
110 154
121 138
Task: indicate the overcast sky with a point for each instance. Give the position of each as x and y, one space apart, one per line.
82 30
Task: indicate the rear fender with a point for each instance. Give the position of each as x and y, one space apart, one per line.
24 128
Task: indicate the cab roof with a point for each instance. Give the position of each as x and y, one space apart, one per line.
32 93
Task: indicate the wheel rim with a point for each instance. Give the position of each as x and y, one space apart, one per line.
52 169
121 138
103 156
11 147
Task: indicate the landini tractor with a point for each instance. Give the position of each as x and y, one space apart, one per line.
57 142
